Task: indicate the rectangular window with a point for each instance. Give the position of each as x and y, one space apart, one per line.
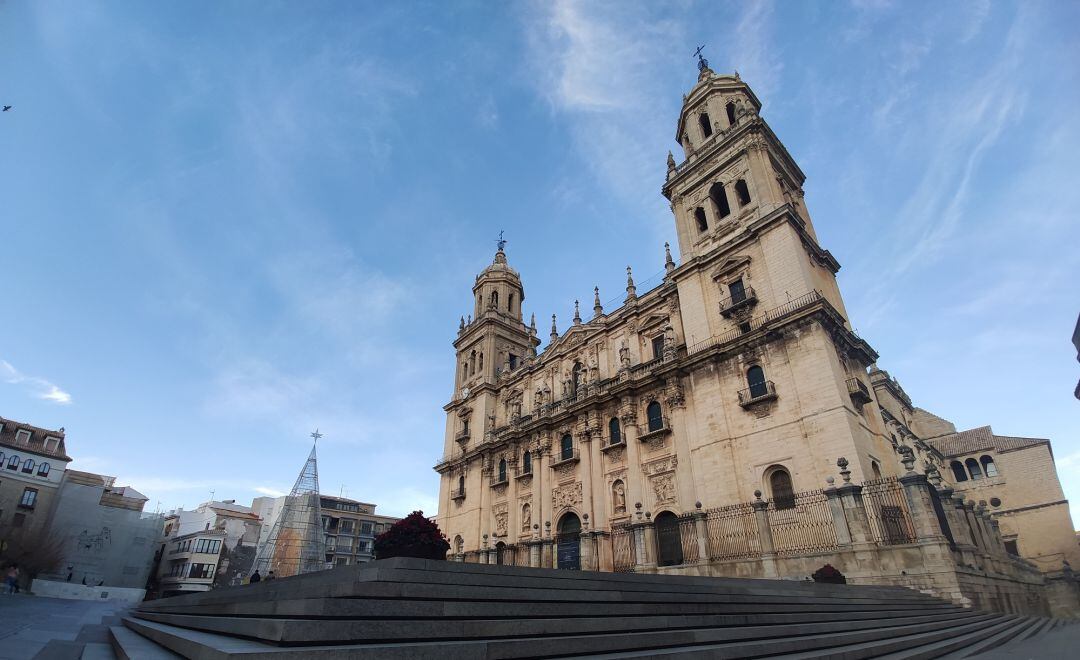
18 519
513 361
29 498
201 571
22 437
347 526
737 291
658 347
363 546
1010 547
342 561
744 327
365 527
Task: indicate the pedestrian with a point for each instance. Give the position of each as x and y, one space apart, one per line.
13 579
255 577
270 575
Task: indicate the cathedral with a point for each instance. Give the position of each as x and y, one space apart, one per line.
736 386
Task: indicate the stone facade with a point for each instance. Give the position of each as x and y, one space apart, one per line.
737 379
32 464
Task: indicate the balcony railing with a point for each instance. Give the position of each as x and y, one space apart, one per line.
500 482
462 436
572 457
859 392
524 473
458 493
619 442
761 392
734 303
656 430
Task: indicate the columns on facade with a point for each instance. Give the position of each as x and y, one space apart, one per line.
644 538
836 508
768 550
546 549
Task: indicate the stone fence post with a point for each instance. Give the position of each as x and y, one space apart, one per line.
702 530
917 490
535 547
854 509
836 508
768 550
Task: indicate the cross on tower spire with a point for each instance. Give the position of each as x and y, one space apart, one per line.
501 242
702 63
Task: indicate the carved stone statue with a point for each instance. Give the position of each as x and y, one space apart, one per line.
669 337
624 355
538 399
526 517
618 497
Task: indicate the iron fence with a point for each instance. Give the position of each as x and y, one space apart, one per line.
732 532
623 549
887 511
688 537
801 523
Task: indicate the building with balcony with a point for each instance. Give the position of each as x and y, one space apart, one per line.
189 562
238 529
700 424
349 526
32 464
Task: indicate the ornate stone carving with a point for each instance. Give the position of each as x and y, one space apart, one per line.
616 455
500 490
667 464
664 488
618 497
565 471
568 495
656 443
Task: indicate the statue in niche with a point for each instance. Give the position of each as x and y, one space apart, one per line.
669 337
624 355
491 421
538 399
618 497
526 517
594 370
515 408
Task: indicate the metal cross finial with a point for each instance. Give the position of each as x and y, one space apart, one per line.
702 63
501 242
316 435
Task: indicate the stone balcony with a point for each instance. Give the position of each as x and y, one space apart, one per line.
733 304
759 393
859 392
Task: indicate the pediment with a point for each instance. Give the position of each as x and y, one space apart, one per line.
572 338
730 266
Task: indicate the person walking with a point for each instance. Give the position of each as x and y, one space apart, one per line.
13 579
270 576
255 577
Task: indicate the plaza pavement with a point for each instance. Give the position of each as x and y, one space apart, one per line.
28 623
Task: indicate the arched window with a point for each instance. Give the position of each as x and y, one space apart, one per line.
988 466
566 447
973 468
706 125
510 303
958 471
730 107
755 378
702 220
614 432
783 493
494 304
43 470
461 485
13 463
876 469
502 469
655 414
526 463
742 192
28 466
472 363
719 199
576 375
481 361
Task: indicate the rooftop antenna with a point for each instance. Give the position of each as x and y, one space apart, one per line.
702 63
501 242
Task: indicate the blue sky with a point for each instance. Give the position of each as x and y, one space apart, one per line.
226 224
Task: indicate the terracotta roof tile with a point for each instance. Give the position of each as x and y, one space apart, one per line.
979 439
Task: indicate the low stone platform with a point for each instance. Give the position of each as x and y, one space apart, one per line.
411 608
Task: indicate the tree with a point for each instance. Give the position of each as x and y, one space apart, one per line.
412 536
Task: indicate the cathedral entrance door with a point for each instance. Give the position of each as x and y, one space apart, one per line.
668 540
568 543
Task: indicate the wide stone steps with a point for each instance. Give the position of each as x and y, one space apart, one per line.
415 609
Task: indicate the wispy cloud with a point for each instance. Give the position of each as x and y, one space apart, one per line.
36 386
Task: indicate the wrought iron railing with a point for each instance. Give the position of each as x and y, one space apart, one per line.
759 392
801 523
887 511
770 316
858 390
623 549
571 456
731 304
458 493
732 532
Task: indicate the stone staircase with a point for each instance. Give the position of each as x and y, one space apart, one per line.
410 608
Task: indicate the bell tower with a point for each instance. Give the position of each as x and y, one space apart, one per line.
494 340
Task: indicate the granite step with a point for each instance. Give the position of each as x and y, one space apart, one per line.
309 631
97 651
975 647
128 645
192 643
